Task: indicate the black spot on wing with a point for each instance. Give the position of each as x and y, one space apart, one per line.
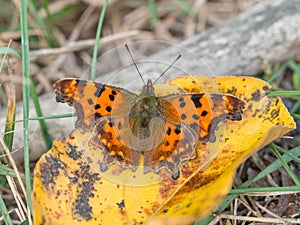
111 97
177 129
195 116
204 113
97 106
196 100
97 116
168 132
120 126
182 104
111 123
108 109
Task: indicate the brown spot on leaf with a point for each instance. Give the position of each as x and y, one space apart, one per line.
256 95
74 153
121 204
86 179
50 170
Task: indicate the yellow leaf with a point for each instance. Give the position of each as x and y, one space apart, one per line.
70 189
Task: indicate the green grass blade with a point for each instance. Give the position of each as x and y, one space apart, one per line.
296 74
285 93
295 106
277 73
26 95
293 157
26 222
275 165
184 6
4 211
39 113
48 34
153 12
8 50
294 66
95 52
285 165
52 39
67 115
265 189
6 171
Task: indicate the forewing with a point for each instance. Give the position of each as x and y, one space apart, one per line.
93 100
204 112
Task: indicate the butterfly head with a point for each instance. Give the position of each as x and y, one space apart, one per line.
148 89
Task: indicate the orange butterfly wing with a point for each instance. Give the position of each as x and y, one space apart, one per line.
93 100
203 112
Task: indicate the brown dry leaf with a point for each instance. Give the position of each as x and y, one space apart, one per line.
70 189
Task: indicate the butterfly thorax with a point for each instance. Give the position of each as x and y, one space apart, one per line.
145 109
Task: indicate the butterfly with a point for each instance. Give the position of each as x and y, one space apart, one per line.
147 129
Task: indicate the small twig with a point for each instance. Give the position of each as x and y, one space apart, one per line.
266 210
244 202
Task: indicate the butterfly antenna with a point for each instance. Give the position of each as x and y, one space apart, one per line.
163 73
134 63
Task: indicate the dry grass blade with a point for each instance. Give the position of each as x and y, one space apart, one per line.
20 203
256 219
14 166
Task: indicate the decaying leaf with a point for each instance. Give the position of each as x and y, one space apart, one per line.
69 187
